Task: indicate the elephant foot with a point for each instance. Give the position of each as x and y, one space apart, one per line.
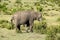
18 31
31 31
27 31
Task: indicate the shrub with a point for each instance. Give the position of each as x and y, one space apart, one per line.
58 29
58 19
1 21
40 27
51 33
5 24
58 38
46 14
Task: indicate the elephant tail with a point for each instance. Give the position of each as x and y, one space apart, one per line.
12 19
12 23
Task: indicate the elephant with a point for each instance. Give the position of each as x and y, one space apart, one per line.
25 17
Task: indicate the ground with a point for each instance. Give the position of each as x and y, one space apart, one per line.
6 34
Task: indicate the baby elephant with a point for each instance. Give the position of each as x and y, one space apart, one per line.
25 17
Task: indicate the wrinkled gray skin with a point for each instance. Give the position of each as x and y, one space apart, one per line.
25 17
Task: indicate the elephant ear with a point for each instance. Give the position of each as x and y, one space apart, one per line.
35 15
38 15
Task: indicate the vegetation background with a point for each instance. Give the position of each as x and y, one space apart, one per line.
47 29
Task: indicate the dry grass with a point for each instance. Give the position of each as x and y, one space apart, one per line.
12 35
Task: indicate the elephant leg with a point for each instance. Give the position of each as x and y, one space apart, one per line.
31 25
31 28
27 26
27 29
18 28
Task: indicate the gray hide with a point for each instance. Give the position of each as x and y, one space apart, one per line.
25 17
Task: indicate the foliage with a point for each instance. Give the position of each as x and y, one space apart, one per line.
19 6
5 24
51 33
58 38
3 7
58 19
40 27
58 28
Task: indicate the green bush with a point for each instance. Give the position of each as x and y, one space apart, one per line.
40 27
5 24
58 19
19 5
58 37
1 21
58 28
46 14
51 33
